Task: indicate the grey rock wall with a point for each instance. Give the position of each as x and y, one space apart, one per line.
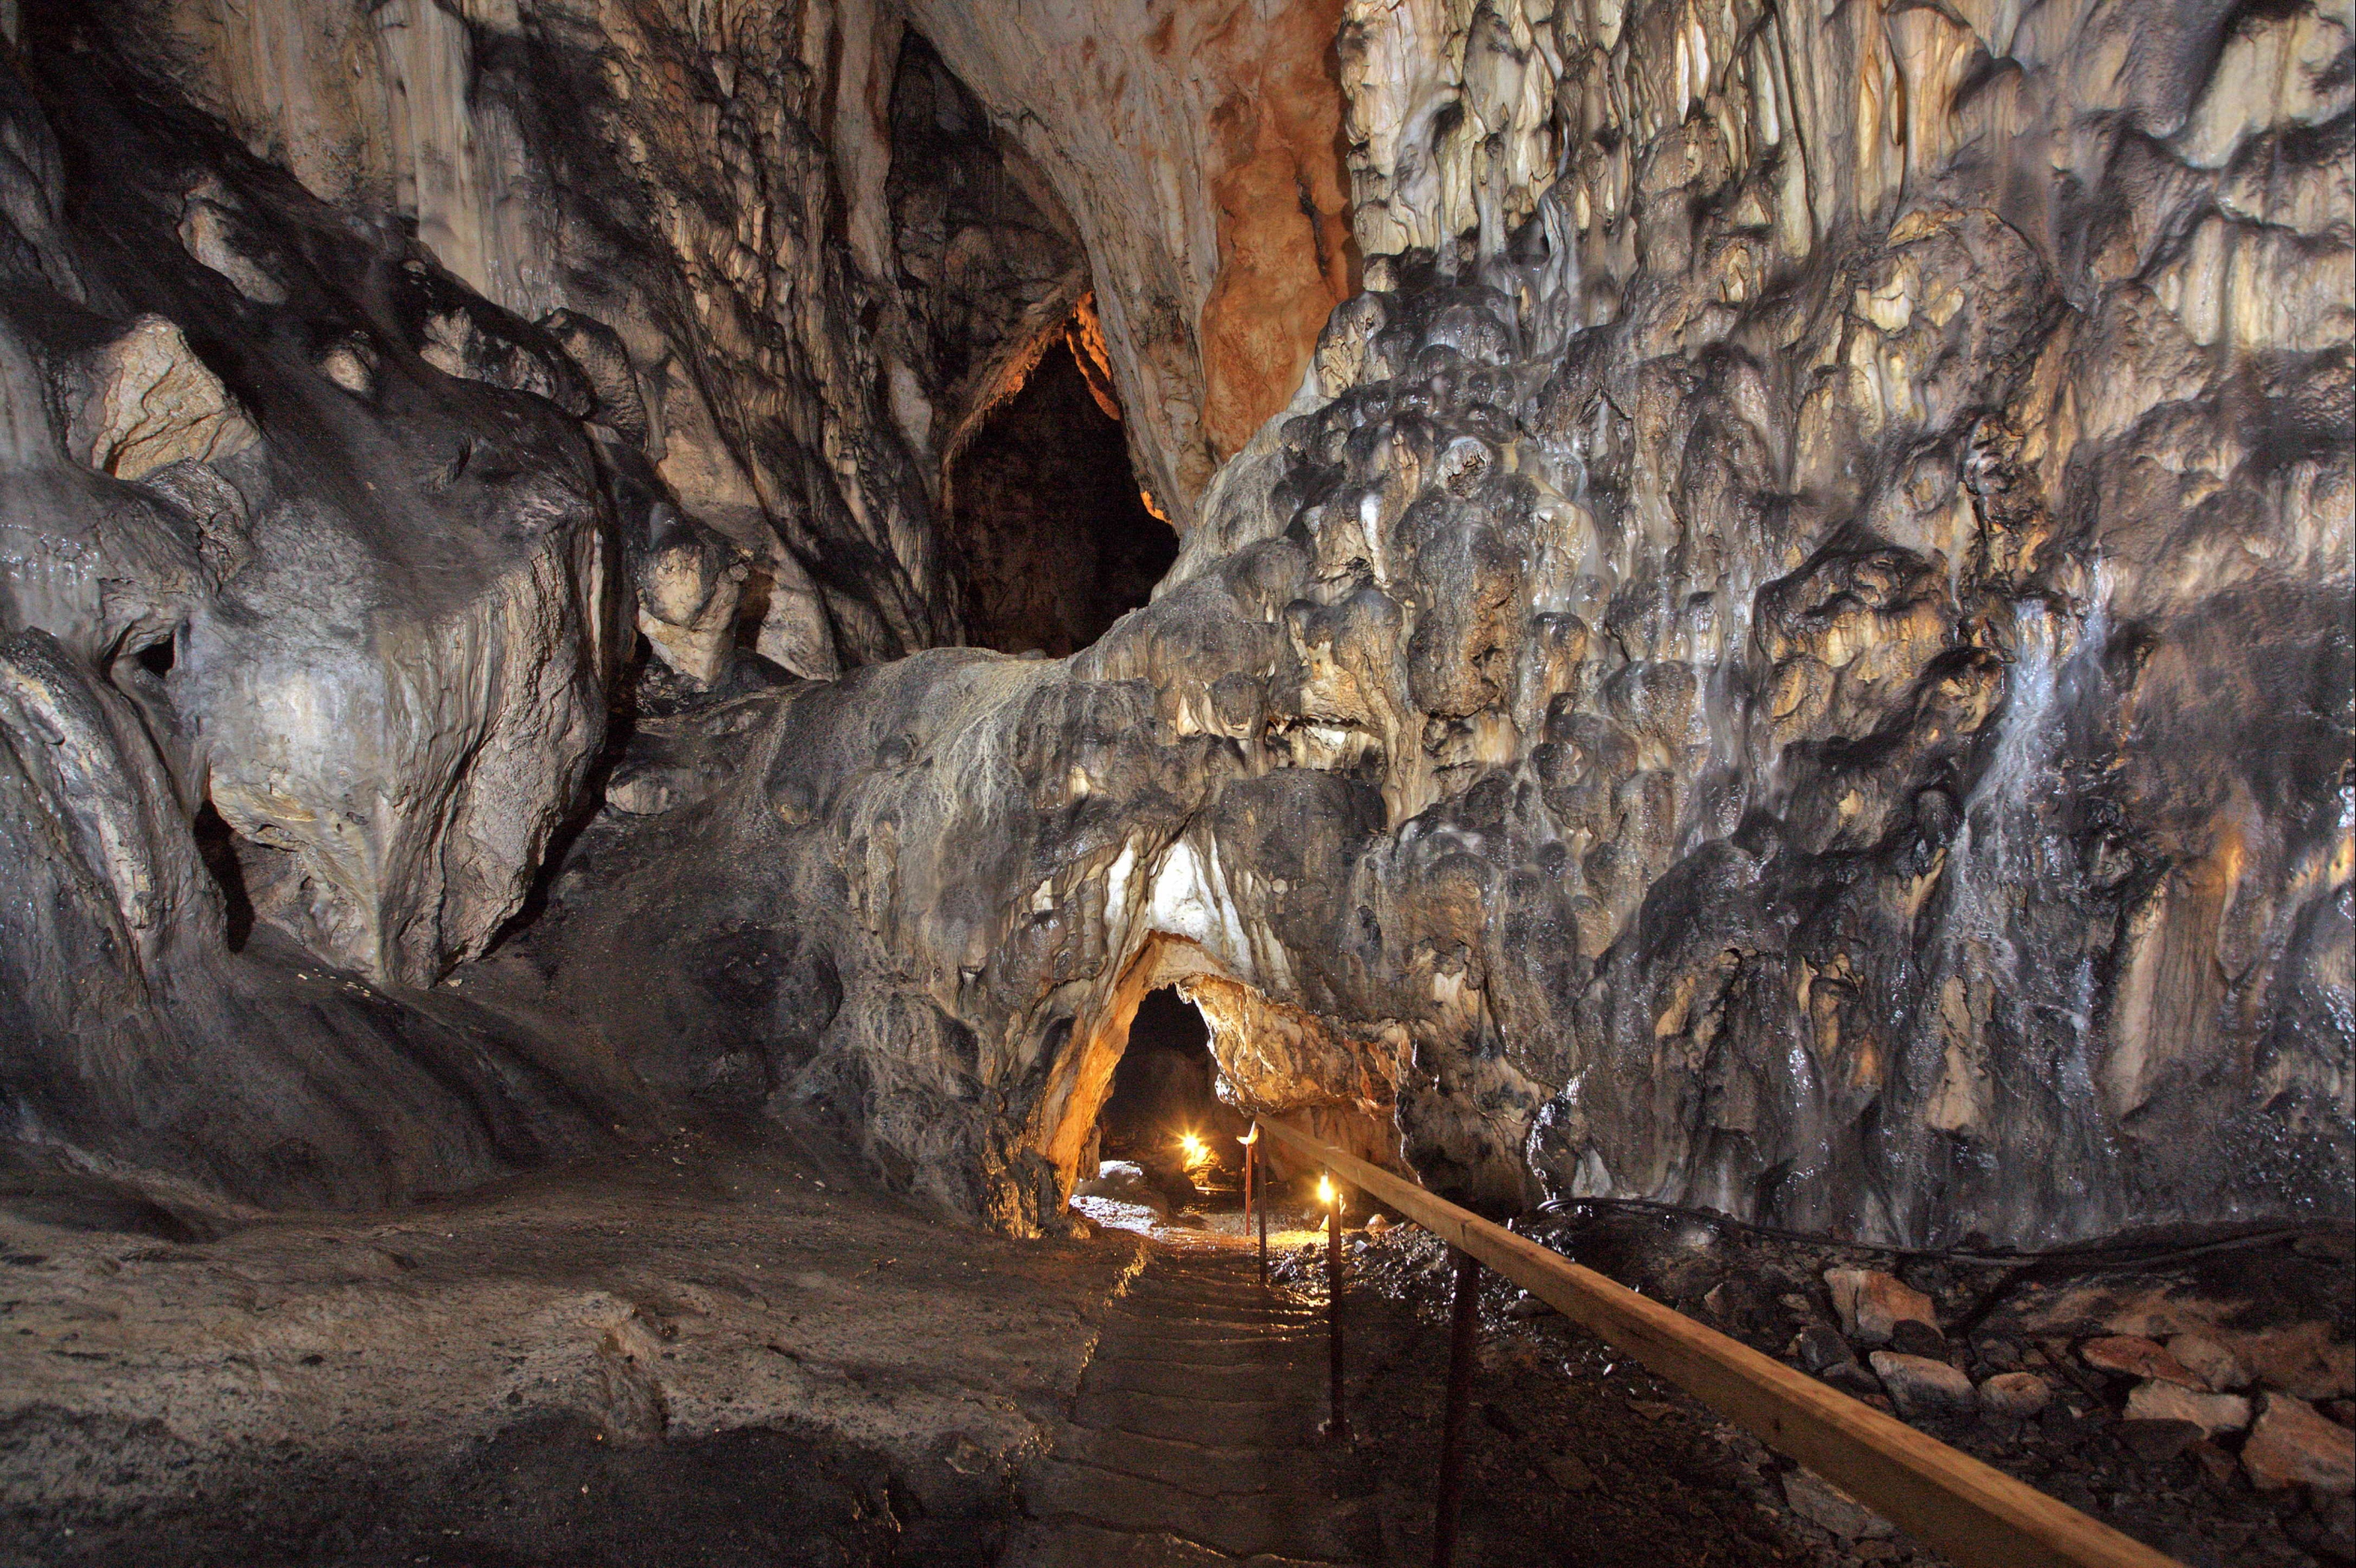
1791 655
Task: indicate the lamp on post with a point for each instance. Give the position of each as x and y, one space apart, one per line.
1250 1141
1329 1194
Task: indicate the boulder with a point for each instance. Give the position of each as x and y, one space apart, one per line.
1123 1181
2133 1356
1921 1386
2219 1369
1852 1380
2212 1412
2292 1445
2157 1442
1871 1304
1818 1347
1911 1336
2017 1395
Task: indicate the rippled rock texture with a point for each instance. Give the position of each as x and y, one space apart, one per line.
1790 651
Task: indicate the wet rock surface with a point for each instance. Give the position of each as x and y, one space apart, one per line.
1194 1435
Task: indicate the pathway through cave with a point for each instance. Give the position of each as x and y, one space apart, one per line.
1193 1437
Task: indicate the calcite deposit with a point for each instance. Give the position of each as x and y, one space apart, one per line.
1761 615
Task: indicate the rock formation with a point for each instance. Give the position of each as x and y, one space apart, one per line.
1790 651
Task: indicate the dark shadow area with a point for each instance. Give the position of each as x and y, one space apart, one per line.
1052 541
217 847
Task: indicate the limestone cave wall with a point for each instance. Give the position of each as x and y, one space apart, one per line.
1763 616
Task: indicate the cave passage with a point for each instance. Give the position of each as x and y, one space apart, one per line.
1163 1094
1052 539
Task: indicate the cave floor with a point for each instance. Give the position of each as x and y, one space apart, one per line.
705 1353
718 1351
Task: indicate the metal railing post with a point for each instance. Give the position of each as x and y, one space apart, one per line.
1251 1151
1338 1429
1263 1211
1464 1324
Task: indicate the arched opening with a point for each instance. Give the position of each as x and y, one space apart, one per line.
1053 541
1164 1138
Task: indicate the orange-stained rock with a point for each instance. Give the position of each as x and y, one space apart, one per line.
2292 1445
2136 1358
1286 254
1871 1305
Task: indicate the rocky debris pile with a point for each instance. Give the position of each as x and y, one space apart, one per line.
1573 1453
2194 1391
2033 1386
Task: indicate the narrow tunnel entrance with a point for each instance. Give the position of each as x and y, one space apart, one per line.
1163 1133
1052 539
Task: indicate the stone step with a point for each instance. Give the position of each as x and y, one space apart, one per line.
1068 1543
1242 1383
1286 1422
1209 1471
1307 1524
1270 1355
1183 1314
1249 1299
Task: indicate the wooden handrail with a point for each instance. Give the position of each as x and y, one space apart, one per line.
1977 1515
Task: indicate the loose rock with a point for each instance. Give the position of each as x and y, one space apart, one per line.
1911 1338
2017 1395
1814 1497
2212 1412
1871 1305
1921 1386
2217 1367
2292 1445
1819 1347
2136 1358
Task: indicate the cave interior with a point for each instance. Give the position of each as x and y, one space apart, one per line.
700 700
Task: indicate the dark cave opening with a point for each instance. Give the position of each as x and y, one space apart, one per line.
1163 1113
217 849
1049 535
1052 539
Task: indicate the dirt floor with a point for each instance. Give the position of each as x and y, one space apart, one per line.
711 1354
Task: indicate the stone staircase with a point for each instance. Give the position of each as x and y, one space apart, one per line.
1193 1438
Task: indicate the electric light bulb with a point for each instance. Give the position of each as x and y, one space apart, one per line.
1325 1190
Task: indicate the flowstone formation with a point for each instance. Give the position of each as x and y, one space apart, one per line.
1791 655
1790 652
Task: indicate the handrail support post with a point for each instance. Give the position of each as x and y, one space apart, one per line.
1338 1427
1465 1326
1263 1207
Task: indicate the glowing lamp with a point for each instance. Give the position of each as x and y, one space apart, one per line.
1325 1193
